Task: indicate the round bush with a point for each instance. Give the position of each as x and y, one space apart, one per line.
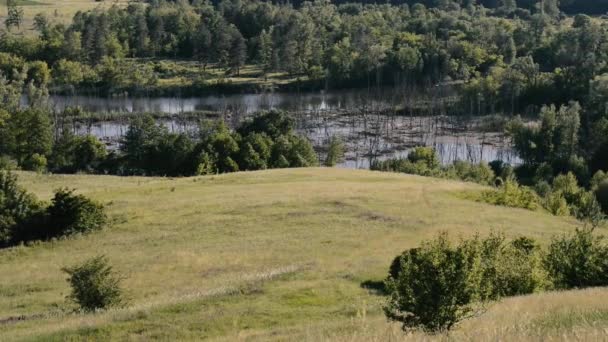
94 285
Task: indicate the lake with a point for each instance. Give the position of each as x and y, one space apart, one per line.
359 117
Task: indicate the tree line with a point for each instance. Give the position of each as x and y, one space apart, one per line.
522 48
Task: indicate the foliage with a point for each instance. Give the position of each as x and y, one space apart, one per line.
95 285
480 173
580 203
554 142
266 140
15 15
24 219
504 268
77 153
602 195
17 207
511 194
424 155
29 137
335 152
70 214
425 162
432 290
436 285
578 260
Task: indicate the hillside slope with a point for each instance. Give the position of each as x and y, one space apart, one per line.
278 254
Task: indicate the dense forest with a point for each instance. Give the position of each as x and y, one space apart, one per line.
344 45
504 57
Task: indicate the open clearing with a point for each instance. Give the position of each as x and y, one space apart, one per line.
58 11
278 254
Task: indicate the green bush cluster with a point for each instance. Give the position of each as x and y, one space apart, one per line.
17 208
25 219
578 260
431 289
436 285
267 140
511 194
565 196
561 198
335 152
424 161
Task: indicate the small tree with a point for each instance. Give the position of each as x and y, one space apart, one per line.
17 206
432 289
425 155
70 214
577 261
335 152
94 285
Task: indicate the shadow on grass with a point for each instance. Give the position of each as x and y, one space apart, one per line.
376 287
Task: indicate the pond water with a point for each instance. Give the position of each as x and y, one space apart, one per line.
248 103
367 137
364 119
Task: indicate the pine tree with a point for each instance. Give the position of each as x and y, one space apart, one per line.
266 51
238 51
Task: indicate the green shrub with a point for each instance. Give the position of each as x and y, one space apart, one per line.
567 185
94 285
511 194
423 161
598 178
478 173
425 155
17 207
543 189
556 204
503 268
431 291
578 260
587 208
69 214
601 193
501 169
7 163
405 165
35 162
335 152
436 285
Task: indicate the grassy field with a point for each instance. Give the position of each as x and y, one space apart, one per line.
183 74
58 11
272 255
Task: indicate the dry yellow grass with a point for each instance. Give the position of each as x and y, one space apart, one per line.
277 254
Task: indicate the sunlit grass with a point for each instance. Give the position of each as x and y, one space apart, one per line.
277 254
58 11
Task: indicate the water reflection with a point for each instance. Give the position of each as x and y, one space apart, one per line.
367 137
247 103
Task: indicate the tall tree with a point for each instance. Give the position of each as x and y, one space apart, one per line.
238 51
266 51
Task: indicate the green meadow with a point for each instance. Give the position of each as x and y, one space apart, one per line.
284 254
